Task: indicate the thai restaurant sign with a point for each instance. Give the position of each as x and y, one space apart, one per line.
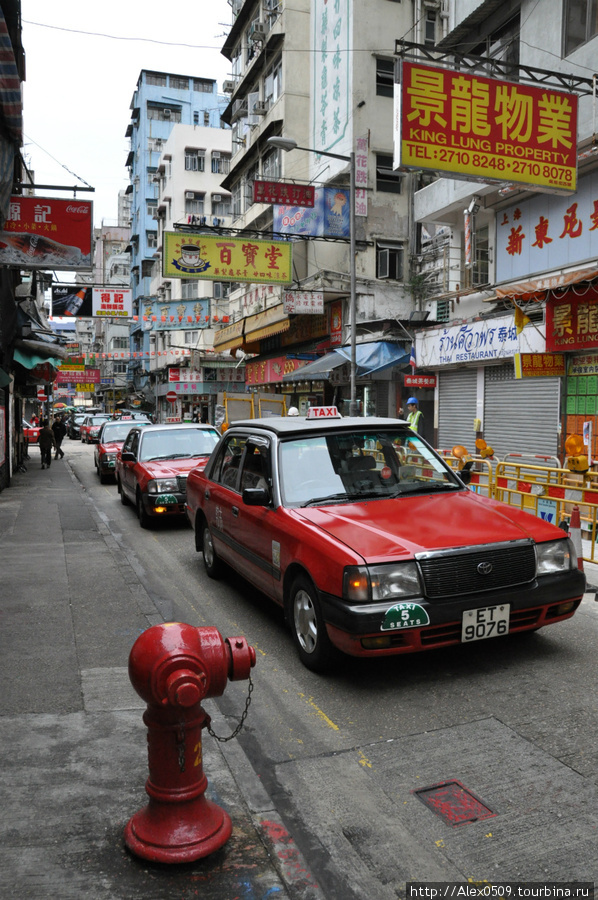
485 128
47 233
226 258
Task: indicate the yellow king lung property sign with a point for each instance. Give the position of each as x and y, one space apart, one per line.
226 258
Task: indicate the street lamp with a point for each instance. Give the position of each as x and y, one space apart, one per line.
287 144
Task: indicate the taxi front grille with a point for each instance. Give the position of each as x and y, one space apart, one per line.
453 574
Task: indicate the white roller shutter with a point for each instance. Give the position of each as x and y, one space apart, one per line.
457 408
520 415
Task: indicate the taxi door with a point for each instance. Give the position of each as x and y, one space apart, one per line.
240 531
128 480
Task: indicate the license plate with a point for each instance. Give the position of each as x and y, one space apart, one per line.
485 623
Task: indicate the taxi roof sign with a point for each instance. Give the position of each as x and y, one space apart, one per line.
323 412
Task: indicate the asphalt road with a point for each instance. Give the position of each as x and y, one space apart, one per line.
513 721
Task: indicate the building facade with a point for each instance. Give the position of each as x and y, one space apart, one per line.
507 269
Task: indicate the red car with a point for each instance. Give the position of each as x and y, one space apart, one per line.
153 465
90 428
370 542
31 432
110 439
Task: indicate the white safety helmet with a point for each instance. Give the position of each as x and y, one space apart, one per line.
293 411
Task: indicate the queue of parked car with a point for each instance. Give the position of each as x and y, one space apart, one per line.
356 527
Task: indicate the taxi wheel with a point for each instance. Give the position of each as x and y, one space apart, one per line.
123 498
211 560
144 520
316 651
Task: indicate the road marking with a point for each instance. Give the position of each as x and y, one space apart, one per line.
322 715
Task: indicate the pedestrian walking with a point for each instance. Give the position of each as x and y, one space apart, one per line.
414 415
59 429
46 441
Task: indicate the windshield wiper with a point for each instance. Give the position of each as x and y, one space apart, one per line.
427 487
171 456
329 498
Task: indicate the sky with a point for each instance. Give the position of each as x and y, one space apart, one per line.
82 65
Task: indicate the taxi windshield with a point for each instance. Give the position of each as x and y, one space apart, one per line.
117 432
178 444
360 465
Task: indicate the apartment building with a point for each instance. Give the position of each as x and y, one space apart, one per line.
160 101
507 268
321 75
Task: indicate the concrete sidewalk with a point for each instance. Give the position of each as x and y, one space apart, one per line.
73 744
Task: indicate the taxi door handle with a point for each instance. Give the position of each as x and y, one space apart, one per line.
235 511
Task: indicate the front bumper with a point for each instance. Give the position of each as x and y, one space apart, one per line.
532 606
160 505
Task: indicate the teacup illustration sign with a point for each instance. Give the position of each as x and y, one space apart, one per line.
190 260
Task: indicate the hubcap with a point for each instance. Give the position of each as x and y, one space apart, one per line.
306 625
208 549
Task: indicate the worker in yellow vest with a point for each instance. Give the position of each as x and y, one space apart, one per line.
414 415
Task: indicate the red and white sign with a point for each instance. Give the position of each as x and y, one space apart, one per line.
323 412
280 193
112 302
46 233
171 396
424 381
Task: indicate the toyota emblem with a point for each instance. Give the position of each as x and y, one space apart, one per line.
485 568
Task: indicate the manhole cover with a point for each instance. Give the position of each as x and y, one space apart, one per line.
454 803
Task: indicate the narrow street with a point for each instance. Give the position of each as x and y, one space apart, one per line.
512 721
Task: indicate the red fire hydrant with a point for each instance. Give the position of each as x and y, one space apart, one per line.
173 667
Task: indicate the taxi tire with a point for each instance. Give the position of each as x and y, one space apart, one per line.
211 560
123 499
144 520
315 648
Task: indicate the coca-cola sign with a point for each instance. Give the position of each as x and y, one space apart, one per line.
47 233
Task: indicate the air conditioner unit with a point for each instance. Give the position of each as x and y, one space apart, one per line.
239 110
215 154
257 32
216 198
189 195
167 113
228 87
260 108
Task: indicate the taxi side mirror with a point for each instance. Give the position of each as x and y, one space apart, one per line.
256 497
127 456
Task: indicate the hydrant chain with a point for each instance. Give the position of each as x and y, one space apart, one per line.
223 740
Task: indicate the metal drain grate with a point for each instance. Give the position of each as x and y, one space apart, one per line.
454 803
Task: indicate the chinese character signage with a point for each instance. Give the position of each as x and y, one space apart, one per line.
330 216
178 314
46 233
572 320
421 381
534 365
361 175
485 128
483 341
281 193
268 371
332 56
303 302
547 232
226 258
112 302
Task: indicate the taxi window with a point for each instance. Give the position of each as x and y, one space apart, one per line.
226 469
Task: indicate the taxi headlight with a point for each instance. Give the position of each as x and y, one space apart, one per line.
555 556
109 457
162 486
389 582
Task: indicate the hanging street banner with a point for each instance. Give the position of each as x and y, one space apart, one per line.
280 192
71 300
46 233
112 302
330 216
226 258
485 128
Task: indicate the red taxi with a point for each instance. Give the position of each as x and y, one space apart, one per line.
31 432
90 427
111 437
370 542
154 462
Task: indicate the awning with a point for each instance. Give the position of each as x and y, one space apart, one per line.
265 324
30 360
369 358
230 337
536 288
